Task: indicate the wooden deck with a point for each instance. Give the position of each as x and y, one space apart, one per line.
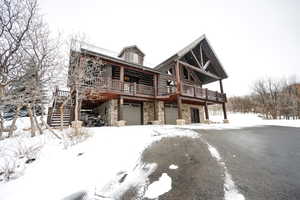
117 87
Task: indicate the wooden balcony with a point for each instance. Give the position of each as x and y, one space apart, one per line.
113 86
103 85
202 93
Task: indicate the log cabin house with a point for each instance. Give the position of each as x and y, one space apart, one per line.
122 91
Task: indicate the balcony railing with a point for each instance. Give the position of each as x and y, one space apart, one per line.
126 88
201 93
134 89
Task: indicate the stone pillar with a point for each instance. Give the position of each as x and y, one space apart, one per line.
112 112
121 121
148 112
159 112
180 120
120 109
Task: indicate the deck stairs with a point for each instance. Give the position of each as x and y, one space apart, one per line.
54 113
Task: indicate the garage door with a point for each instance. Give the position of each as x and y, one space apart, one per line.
171 113
132 113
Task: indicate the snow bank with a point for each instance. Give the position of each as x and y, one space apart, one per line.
105 157
242 120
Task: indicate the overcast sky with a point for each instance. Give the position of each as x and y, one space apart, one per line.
252 39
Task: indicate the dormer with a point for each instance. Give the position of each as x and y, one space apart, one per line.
132 54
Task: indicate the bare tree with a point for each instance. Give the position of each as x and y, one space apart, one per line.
28 58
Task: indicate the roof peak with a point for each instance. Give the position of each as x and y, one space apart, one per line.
129 47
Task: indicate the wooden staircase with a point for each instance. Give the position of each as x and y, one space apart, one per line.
54 113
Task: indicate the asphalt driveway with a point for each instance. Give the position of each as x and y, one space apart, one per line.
264 163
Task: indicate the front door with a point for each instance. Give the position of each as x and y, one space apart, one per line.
195 115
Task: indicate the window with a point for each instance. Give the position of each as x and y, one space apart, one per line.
135 58
185 73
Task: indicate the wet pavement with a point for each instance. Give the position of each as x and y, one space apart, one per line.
264 163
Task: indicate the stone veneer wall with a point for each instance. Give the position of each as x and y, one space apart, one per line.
148 111
186 112
160 108
111 114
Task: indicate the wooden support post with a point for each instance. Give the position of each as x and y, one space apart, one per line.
134 88
179 107
155 78
120 111
206 94
121 86
122 74
178 84
206 111
221 86
224 111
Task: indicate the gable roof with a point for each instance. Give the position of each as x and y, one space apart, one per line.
130 47
117 60
215 63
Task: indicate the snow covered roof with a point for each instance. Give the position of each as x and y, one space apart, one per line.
111 55
130 47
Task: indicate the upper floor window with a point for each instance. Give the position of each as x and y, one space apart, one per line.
185 73
134 57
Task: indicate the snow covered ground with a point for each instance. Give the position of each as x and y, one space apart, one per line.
97 164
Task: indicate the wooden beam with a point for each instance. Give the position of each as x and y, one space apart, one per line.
206 111
206 65
201 55
221 86
199 70
121 73
196 59
177 76
155 78
224 110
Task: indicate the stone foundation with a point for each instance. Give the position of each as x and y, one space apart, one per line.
109 112
121 123
226 121
180 121
186 112
148 112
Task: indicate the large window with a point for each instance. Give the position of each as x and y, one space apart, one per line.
134 58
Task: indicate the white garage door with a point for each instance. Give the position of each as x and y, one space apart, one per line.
132 113
171 113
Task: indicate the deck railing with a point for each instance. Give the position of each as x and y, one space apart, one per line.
113 85
202 93
167 90
127 88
